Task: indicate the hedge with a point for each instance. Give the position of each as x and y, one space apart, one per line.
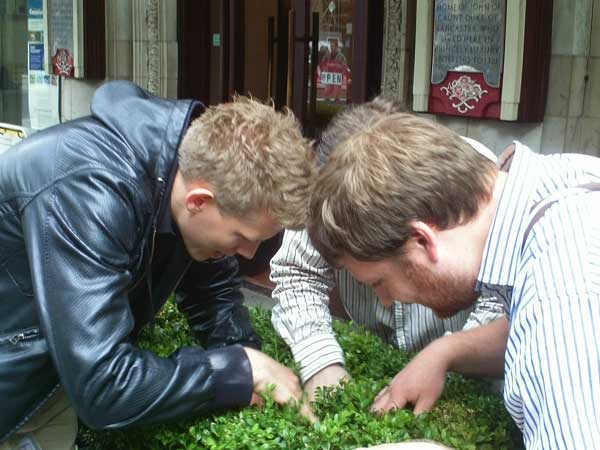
466 417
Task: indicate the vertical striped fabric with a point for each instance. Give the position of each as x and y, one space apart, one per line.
303 283
551 288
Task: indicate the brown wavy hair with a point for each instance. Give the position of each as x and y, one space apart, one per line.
402 168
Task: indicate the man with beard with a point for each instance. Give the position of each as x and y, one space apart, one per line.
408 208
304 282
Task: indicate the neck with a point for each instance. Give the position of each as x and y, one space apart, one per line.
480 227
469 239
177 196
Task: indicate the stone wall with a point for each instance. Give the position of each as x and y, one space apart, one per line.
572 118
141 45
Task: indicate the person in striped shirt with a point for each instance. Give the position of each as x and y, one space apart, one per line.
408 208
304 282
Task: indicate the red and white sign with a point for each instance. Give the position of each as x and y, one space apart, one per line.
465 94
62 63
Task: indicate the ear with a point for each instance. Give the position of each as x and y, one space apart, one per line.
197 198
426 240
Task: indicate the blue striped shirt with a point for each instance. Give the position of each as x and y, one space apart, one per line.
550 285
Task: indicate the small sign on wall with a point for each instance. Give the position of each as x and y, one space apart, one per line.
36 56
483 58
65 57
75 38
468 52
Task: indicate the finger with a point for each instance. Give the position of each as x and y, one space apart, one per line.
256 400
380 393
380 401
306 411
288 394
310 395
394 403
423 405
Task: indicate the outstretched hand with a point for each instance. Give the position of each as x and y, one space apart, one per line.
420 383
267 372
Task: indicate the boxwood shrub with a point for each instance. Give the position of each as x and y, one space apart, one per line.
467 417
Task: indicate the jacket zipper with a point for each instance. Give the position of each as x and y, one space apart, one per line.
151 241
24 336
161 181
161 193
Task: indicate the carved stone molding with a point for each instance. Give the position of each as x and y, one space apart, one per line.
154 28
154 31
398 49
392 49
140 43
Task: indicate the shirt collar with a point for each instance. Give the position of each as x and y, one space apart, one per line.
503 245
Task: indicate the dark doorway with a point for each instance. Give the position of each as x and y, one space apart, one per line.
314 56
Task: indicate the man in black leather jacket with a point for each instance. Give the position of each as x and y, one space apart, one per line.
101 219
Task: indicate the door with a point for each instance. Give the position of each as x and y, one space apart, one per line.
344 38
314 56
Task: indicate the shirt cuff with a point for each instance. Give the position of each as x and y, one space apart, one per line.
232 375
315 353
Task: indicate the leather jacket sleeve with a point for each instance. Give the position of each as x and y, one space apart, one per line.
82 234
210 297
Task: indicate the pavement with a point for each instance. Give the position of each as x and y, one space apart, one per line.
255 298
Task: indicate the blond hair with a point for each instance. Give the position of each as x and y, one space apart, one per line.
254 157
401 169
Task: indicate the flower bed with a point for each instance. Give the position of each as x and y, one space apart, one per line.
465 418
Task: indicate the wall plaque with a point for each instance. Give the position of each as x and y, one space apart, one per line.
468 54
75 38
483 58
62 37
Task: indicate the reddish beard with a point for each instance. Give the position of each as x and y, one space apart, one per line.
445 294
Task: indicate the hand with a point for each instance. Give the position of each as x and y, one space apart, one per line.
265 372
331 375
420 383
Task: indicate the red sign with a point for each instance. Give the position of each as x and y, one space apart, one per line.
465 94
62 63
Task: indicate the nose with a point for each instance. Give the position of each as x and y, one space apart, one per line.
248 250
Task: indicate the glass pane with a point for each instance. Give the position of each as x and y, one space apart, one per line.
28 95
13 61
333 75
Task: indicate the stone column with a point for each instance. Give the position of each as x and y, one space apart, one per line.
397 50
155 46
